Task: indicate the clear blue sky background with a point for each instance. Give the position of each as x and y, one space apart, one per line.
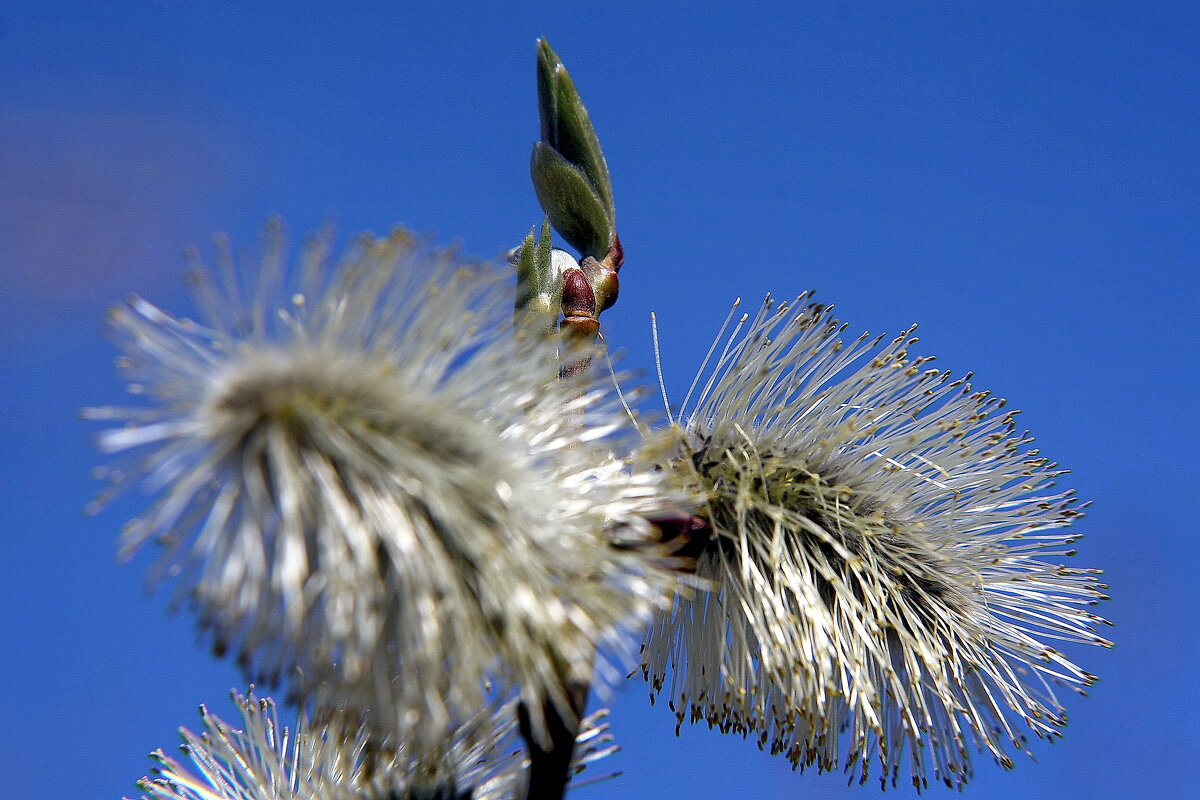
1020 178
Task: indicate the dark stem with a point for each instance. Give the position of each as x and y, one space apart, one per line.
550 767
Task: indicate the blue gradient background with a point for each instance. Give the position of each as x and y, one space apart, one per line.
1020 178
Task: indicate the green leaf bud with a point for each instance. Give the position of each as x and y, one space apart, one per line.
570 201
566 126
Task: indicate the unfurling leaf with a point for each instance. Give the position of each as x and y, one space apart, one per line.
566 126
571 202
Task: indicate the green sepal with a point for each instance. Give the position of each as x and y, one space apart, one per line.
569 200
527 278
543 258
539 290
566 126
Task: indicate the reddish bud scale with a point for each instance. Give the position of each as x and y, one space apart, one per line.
579 325
578 297
587 291
685 536
616 254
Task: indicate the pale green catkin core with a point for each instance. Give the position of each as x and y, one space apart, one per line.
853 539
302 402
288 411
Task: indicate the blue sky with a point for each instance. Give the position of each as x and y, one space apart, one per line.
1022 179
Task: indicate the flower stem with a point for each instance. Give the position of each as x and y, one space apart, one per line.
550 767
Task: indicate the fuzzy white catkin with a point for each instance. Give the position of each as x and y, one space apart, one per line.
261 759
360 472
884 558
